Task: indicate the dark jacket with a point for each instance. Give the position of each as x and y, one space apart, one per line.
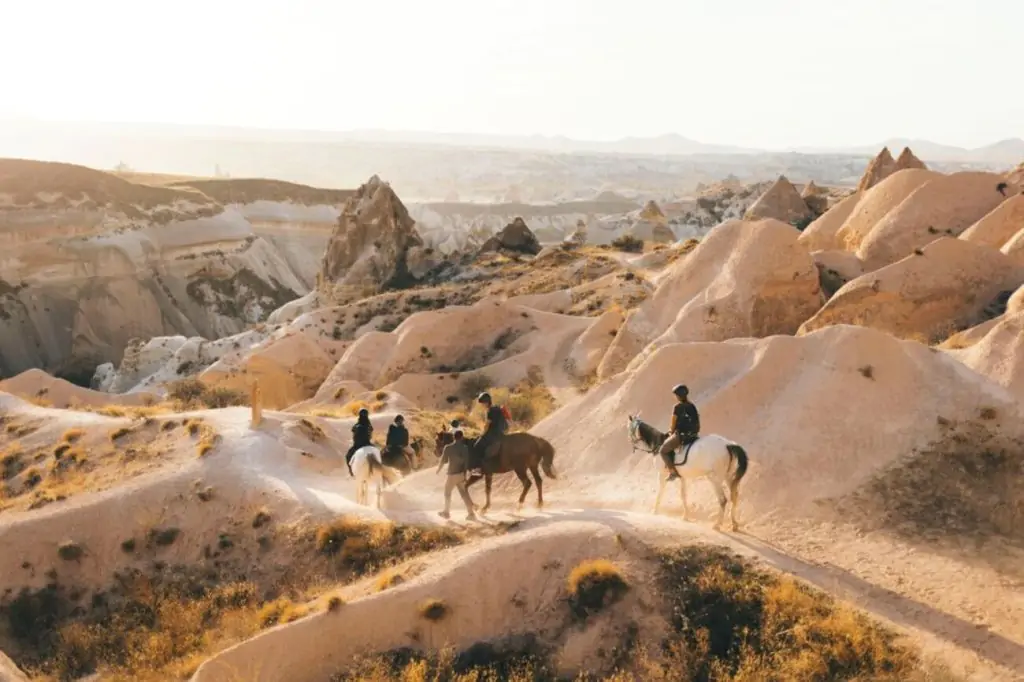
687 419
457 456
496 420
398 436
362 433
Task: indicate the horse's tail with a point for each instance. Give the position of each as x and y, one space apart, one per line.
737 453
547 458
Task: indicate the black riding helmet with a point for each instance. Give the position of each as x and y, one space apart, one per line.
364 413
681 391
399 419
484 398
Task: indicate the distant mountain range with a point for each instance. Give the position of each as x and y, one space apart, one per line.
1002 153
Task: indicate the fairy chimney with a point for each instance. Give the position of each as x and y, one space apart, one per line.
781 202
881 167
908 160
371 245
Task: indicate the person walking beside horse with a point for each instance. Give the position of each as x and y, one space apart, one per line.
456 455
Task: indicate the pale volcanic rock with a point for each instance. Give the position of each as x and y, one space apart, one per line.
94 261
908 160
879 168
998 226
821 234
815 198
744 279
369 249
773 396
781 202
947 205
876 203
516 237
924 296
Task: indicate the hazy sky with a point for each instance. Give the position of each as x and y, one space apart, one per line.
768 73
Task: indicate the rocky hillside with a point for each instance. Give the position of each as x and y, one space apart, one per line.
94 261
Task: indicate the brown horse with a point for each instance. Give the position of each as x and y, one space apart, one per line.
519 452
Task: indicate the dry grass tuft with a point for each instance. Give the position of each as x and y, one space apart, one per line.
867 371
193 394
360 544
72 436
335 603
119 433
433 610
594 585
987 413
388 579
730 621
312 430
281 611
162 537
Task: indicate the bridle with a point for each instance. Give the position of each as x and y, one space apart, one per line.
634 428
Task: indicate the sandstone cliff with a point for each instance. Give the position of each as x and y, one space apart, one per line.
94 261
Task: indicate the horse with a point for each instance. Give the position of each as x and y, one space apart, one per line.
396 458
367 466
710 457
519 452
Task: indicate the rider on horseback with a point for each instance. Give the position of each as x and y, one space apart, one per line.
398 439
685 429
497 425
362 434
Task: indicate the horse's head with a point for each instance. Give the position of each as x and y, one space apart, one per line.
633 424
440 440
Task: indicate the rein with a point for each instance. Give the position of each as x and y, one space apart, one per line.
651 450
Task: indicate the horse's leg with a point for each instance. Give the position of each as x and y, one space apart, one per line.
682 494
722 501
540 486
380 482
661 489
521 473
487 488
735 503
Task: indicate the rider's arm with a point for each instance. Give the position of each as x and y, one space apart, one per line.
672 429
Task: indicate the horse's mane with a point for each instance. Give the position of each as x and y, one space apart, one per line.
650 435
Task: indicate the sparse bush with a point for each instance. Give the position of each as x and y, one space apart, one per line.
475 384
867 371
628 243
128 546
987 413
312 430
335 603
261 519
70 551
188 394
433 610
162 537
594 585
119 433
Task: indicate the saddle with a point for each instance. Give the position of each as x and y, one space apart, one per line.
686 445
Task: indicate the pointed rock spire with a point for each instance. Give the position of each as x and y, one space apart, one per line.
908 160
781 202
881 167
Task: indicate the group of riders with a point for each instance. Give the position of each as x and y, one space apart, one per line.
684 431
397 443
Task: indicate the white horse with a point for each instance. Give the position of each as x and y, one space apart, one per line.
367 466
710 457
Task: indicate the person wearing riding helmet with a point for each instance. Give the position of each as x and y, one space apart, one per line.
398 439
496 427
685 429
362 435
